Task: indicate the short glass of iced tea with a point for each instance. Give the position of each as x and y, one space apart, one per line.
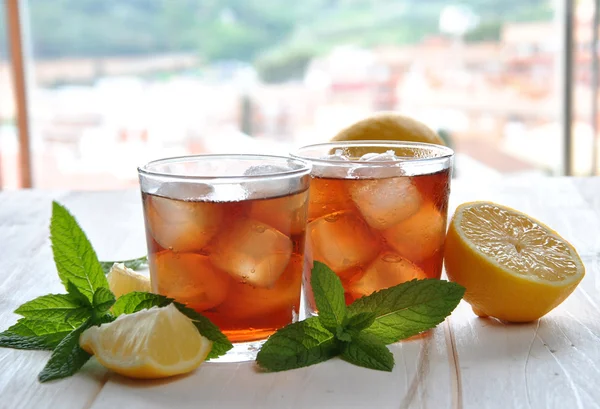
226 236
377 212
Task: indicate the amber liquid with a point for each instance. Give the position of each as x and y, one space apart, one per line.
238 263
377 233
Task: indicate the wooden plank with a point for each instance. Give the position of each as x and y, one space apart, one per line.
552 363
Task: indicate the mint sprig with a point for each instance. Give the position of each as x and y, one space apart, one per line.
360 332
55 321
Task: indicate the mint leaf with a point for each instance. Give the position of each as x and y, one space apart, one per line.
103 300
368 351
408 309
134 263
137 301
297 345
360 321
35 334
75 259
342 334
329 296
78 295
220 342
55 307
67 358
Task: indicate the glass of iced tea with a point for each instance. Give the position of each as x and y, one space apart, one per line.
377 212
226 237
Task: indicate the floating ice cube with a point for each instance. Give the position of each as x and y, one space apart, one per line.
182 225
342 241
387 270
337 155
258 170
190 279
420 236
267 187
252 252
247 301
385 202
387 156
287 214
185 191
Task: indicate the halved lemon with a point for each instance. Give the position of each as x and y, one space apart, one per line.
153 343
123 280
389 126
513 267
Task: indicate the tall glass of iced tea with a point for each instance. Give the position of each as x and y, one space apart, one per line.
226 237
377 212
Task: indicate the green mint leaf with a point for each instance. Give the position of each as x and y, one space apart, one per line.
78 295
75 259
360 321
103 300
137 301
220 342
30 333
67 358
55 307
134 263
356 323
367 351
297 345
408 309
329 296
342 334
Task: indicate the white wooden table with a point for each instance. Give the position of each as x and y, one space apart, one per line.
466 362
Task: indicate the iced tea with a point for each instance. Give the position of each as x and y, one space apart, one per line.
234 250
376 218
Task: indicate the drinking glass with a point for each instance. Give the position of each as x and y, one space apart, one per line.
226 236
377 212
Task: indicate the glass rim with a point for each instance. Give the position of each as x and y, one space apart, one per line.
144 170
446 152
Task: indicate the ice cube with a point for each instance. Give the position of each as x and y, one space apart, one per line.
258 170
387 156
182 225
387 270
419 236
247 301
287 214
190 279
385 202
338 154
342 241
266 187
185 191
252 252
327 196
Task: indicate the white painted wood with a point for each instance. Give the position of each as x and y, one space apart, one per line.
421 375
27 271
465 363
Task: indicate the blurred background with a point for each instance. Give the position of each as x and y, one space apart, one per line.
105 86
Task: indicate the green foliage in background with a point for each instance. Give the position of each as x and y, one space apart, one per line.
278 36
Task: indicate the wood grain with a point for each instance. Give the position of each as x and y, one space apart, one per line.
467 362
